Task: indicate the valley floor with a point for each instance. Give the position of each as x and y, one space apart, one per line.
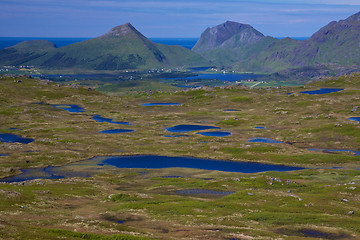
321 201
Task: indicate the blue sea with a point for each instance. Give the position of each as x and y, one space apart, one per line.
60 42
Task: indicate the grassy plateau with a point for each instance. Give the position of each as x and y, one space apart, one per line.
321 201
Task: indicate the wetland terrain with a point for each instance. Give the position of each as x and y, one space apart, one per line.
63 177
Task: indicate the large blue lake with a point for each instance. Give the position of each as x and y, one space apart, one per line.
220 76
145 162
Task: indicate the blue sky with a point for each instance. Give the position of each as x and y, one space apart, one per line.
167 18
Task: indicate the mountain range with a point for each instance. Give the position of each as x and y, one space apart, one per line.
123 47
246 49
229 45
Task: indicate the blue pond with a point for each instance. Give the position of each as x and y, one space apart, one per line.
215 134
98 118
202 192
172 177
220 76
323 91
231 110
113 131
176 136
355 119
44 173
189 128
8 137
144 162
19 129
4 154
356 153
259 127
263 140
186 86
161 104
70 107
151 162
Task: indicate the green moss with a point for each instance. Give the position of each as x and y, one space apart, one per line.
242 99
232 122
91 236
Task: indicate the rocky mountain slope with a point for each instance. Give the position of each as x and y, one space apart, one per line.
246 49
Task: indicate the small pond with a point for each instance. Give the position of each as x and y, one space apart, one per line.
113 131
186 86
220 76
4 154
259 127
189 128
263 140
161 104
93 166
175 136
70 108
44 173
98 118
355 119
323 91
356 153
231 110
202 192
215 134
9 137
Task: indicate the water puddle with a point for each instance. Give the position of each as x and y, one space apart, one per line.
215 134
9 137
202 192
189 128
322 91
98 118
70 108
263 140
161 104
114 131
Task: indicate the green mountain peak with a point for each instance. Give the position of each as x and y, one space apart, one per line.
122 30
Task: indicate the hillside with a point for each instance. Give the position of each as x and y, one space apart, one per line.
25 52
336 44
123 47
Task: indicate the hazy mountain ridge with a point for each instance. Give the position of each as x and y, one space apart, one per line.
123 47
336 44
